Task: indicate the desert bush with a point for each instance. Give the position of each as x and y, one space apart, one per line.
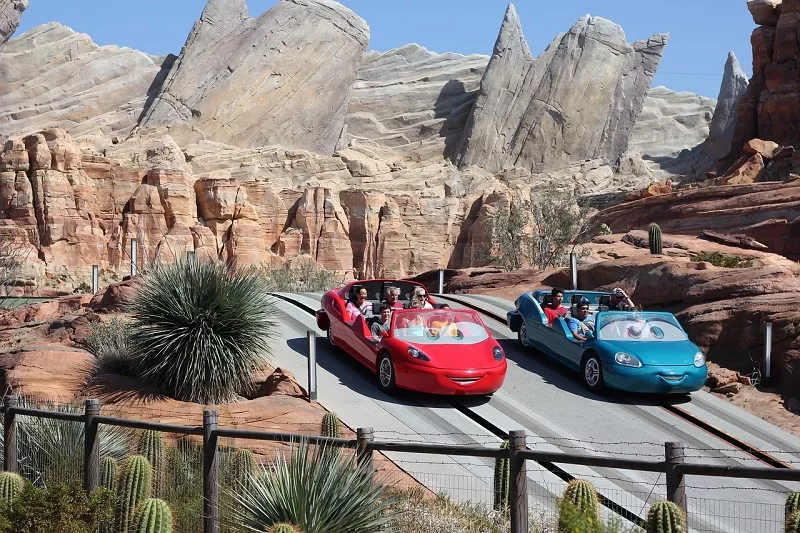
59 507
417 513
304 277
539 233
201 330
722 260
319 490
110 343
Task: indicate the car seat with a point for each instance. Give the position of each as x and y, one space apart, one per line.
604 303
547 299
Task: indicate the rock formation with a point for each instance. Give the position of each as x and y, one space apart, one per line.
577 101
723 124
10 13
280 79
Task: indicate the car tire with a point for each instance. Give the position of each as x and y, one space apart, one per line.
385 374
522 336
331 341
592 372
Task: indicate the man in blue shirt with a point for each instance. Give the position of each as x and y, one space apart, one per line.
582 324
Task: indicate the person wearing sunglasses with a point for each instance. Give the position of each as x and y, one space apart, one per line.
582 325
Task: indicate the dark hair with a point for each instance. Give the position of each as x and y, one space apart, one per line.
444 306
385 307
557 290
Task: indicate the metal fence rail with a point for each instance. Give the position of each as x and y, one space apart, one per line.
673 466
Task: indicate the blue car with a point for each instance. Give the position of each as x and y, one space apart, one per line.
635 351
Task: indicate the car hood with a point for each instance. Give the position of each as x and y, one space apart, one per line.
459 357
655 353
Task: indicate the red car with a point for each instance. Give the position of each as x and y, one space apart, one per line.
438 351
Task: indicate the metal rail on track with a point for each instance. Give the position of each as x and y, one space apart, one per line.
672 409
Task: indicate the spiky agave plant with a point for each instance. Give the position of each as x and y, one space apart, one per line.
202 330
319 490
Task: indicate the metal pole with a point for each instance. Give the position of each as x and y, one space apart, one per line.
95 279
573 269
441 281
767 350
210 473
9 434
676 486
364 436
91 447
311 340
134 257
518 482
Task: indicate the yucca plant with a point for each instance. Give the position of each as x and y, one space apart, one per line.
320 491
110 343
201 330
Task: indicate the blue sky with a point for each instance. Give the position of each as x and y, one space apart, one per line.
702 31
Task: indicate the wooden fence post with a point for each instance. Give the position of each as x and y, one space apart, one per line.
9 434
518 482
364 436
91 447
676 486
210 473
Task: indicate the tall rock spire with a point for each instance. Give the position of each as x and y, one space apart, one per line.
723 123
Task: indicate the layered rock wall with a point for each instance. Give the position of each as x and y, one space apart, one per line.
10 13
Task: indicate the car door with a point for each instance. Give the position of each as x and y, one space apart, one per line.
358 339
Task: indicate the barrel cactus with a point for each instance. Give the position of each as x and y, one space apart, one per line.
502 477
283 527
244 466
10 486
579 504
151 446
152 516
792 523
654 238
331 427
792 503
134 486
665 517
108 473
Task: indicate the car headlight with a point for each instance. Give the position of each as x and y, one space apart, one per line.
699 359
626 359
417 354
497 353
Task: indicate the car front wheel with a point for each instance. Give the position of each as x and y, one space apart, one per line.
522 336
386 380
331 341
592 372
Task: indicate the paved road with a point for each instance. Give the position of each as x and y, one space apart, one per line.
558 415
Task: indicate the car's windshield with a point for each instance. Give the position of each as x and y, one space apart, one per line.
638 326
438 326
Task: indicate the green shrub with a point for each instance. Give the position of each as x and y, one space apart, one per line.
201 330
110 342
305 277
722 260
605 229
59 507
301 491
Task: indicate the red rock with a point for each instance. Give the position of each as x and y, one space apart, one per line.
764 148
113 297
280 382
720 377
730 388
746 170
654 189
739 239
47 372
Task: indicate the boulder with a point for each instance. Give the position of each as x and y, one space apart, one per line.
745 170
578 100
734 239
46 372
279 382
114 297
765 12
765 149
282 78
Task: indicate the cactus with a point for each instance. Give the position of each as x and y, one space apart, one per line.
604 229
331 427
665 517
283 527
108 473
502 477
10 486
654 238
244 466
580 502
792 523
792 503
134 486
151 446
152 516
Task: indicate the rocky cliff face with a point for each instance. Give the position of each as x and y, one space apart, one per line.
282 79
578 100
10 13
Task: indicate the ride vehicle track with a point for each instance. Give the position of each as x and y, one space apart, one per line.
722 435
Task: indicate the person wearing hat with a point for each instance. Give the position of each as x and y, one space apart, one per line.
620 301
583 323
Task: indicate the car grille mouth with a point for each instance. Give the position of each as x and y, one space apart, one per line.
673 379
465 381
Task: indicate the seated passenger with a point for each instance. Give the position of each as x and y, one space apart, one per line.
419 292
583 324
620 301
554 309
413 322
361 306
392 295
441 324
381 327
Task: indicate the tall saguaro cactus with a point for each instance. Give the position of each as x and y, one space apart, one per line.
10 486
665 517
502 479
152 516
151 447
135 485
654 238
